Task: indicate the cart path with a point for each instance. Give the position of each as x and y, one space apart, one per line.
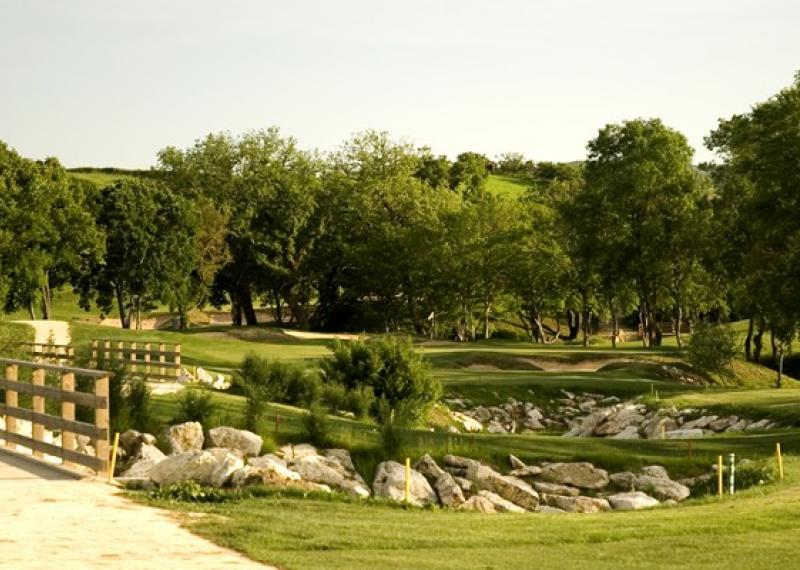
51 520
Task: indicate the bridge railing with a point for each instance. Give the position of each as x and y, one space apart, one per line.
68 397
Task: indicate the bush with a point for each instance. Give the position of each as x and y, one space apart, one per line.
711 348
139 409
360 401
317 426
392 427
748 474
196 405
264 381
389 366
191 492
334 397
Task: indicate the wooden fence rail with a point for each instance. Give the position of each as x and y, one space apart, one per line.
47 352
66 423
148 360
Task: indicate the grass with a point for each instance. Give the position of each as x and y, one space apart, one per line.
758 528
505 185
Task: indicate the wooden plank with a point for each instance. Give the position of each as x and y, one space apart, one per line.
52 393
56 367
161 359
101 420
68 414
37 379
11 400
48 448
52 422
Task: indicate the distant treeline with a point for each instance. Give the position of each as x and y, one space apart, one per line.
381 235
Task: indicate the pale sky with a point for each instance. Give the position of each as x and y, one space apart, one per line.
109 83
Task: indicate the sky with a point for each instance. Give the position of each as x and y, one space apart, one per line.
109 83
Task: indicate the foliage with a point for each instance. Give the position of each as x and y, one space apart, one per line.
196 405
711 347
389 366
316 426
392 425
191 492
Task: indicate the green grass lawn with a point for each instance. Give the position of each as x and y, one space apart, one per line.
757 528
505 185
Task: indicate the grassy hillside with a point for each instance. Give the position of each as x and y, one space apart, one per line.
506 185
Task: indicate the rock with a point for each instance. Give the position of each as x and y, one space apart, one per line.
741 425
272 463
761 424
342 456
449 492
631 501
202 375
589 423
655 471
212 467
624 480
390 482
499 504
662 489
457 465
555 489
466 485
329 471
722 423
617 422
582 475
290 452
467 423
630 432
652 429
495 427
135 483
185 437
516 463
684 434
244 441
141 464
131 440
699 423
577 504
479 504
527 471
507 486
547 510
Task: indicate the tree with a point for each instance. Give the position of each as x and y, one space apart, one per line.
469 173
150 234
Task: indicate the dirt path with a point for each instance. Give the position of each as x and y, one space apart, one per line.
50 520
49 331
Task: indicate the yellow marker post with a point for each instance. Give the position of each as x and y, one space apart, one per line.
780 459
719 475
408 480
113 458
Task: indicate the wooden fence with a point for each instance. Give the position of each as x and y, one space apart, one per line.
149 360
65 422
47 352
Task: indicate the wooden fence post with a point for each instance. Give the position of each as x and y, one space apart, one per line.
178 360
161 358
12 374
95 362
101 420
147 348
133 358
106 353
37 379
68 413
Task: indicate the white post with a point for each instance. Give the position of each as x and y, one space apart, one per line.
732 476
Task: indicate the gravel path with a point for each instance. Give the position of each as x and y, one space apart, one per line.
51 520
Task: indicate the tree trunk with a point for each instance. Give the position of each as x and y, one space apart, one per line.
486 310
47 296
774 345
677 326
748 340
236 309
573 323
246 302
276 294
780 367
758 340
32 310
643 324
124 318
614 328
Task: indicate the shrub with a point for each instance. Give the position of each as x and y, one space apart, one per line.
191 492
711 348
360 401
389 366
748 474
392 424
196 405
334 397
139 409
317 426
303 387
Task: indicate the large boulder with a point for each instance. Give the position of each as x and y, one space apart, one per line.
140 465
684 434
581 475
555 489
185 437
390 482
632 501
507 486
292 452
655 471
479 504
630 432
329 471
212 467
500 504
589 423
652 428
240 440
131 441
275 465
618 421
449 492
662 489
624 480
466 422
577 504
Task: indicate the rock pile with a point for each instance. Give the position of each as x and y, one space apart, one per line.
596 415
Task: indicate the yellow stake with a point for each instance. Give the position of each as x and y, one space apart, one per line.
113 458
719 475
780 459
408 480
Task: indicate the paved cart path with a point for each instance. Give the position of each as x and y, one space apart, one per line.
51 520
